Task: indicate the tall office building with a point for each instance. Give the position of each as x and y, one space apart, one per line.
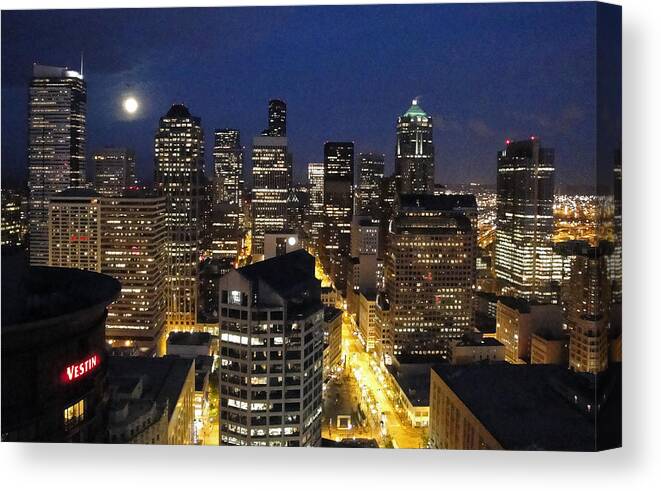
316 210
74 229
587 295
414 155
338 204
228 166
271 172
524 220
133 240
271 350
114 171
370 182
56 145
429 274
179 168
277 119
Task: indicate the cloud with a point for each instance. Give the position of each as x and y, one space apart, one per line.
480 128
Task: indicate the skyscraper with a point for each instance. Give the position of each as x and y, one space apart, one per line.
277 119
115 171
271 172
133 240
429 274
338 206
524 220
316 186
271 350
414 155
179 167
370 181
56 145
228 166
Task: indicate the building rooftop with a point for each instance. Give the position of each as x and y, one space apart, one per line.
31 294
178 111
415 110
282 273
519 304
477 341
413 379
189 338
163 378
527 407
77 193
440 202
331 313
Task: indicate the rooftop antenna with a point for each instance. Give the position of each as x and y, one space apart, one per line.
81 63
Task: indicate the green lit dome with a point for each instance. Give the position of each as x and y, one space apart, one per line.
415 110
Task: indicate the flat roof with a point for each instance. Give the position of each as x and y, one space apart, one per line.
413 379
164 377
189 338
526 407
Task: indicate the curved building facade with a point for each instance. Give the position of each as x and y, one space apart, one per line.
53 353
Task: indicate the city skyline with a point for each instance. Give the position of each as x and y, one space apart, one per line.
438 63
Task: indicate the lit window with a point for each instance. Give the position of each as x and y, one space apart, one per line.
74 414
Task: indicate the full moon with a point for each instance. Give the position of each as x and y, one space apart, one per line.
130 105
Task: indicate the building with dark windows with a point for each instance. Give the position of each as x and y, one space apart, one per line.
271 351
54 359
370 182
56 145
114 171
414 155
524 222
271 171
179 170
277 119
338 208
429 275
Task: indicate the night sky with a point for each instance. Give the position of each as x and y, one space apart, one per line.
485 73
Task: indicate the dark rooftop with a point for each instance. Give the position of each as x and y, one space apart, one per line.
331 313
164 377
413 378
283 273
189 338
31 293
526 407
519 304
178 111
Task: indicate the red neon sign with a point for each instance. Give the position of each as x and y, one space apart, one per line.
78 370
77 238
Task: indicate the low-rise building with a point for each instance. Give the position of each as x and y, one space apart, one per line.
367 319
473 347
550 347
329 296
152 400
410 383
190 344
522 407
517 320
332 339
